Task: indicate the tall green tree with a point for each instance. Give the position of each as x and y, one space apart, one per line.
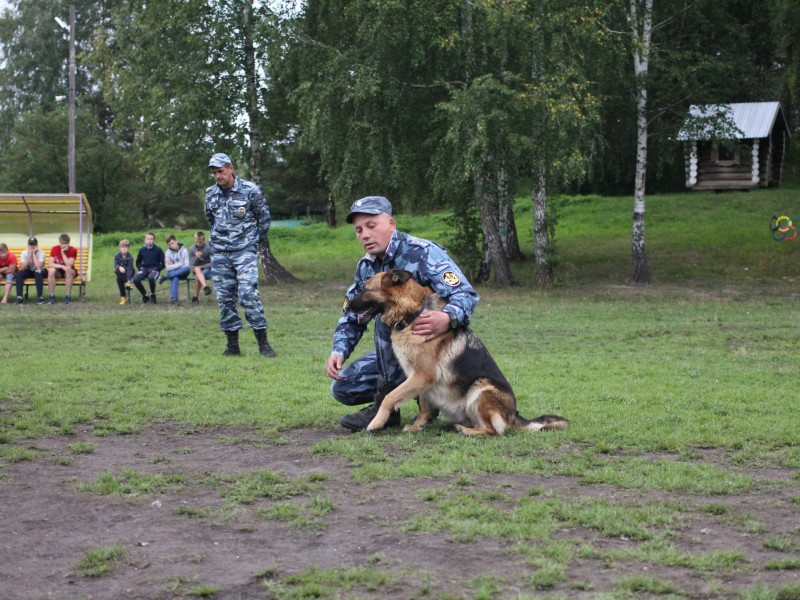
562 104
785 26
34 52
417 97
35 161
185 83
526 114
167 76
272 268
366 86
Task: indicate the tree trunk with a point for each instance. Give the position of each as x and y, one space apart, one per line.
642 31
640 272
508 227
485 269
273 270
541 235
331 211
493 245
508 232
252 95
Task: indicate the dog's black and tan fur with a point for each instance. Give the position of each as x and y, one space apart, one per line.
453 373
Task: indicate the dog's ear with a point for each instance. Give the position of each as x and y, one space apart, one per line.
399 276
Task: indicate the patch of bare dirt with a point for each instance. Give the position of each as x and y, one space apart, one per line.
47 523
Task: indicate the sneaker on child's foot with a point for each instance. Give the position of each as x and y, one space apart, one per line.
162 278
52 299
207 290
195 300
145 299
40 300
67 299
153 299
174 301
19 299
123 300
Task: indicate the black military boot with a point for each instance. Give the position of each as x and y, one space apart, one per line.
359 420
263 345
233 344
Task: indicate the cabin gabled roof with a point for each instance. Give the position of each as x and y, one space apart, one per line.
754 120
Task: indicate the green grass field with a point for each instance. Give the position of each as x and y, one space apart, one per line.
684 388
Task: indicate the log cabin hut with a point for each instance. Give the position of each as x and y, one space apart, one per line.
735 146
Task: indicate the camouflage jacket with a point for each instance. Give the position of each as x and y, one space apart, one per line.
430 265
239 220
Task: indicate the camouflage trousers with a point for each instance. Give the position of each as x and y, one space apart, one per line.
236 277
360 379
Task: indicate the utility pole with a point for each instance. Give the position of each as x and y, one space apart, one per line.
71 151
71 140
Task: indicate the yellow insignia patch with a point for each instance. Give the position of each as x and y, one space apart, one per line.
345 304
451 278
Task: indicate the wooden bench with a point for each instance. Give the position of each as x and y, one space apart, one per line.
81 266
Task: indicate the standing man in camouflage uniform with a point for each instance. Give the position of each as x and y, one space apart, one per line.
238 218
371 377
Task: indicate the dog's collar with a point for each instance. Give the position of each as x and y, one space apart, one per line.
406 321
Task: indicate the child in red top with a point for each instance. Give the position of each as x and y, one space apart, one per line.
8 266
62 263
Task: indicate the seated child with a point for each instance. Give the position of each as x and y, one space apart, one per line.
200 256
31 264
62 264
177 261
8 266
149 263
123 268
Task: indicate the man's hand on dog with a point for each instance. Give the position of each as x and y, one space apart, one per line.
431 324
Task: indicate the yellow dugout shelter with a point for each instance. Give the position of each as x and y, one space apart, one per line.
45 217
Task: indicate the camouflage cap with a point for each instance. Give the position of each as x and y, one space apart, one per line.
219 160
371 205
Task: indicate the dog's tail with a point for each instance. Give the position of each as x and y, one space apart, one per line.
545 422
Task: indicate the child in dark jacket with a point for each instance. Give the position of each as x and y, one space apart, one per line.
123 268
149 262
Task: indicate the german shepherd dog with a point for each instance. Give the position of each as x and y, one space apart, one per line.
453 373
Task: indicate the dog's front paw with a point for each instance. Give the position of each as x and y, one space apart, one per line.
379 421
412 427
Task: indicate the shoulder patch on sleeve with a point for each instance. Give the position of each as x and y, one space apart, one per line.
451 278
418 242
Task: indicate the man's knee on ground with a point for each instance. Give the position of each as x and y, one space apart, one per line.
341 393
344 392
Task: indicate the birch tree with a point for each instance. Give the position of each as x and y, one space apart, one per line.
182 74
274 271
641 21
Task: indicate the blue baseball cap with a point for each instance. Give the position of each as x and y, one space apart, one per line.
219 160
371 205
